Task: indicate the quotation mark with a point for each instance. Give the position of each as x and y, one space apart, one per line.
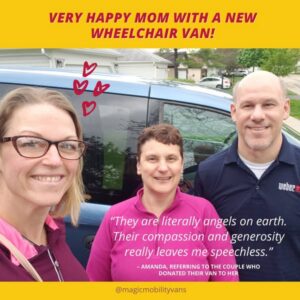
79 87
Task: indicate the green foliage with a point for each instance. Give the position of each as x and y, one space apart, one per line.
200 58
295 108
250 58
190 62
280 61
228 59
208 56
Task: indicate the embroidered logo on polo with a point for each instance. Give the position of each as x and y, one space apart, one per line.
289 187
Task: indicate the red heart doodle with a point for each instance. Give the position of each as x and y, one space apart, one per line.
88 107
79 87
88 69
100 88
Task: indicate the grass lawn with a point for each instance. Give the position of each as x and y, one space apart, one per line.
295 108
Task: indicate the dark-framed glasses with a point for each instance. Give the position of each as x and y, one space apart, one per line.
35 147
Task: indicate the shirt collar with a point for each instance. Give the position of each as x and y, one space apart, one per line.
232 154
23 245
140 206
286 153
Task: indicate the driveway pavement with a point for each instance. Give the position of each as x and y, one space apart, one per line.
293 124
293 83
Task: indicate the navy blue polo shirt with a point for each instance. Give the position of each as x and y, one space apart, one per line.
261 215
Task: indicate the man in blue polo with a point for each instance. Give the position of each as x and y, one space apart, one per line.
255 183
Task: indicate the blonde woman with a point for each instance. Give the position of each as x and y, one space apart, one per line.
41 152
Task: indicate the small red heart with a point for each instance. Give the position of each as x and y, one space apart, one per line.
79 87
88 69
88 107
100 88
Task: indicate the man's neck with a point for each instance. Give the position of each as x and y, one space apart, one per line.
261 156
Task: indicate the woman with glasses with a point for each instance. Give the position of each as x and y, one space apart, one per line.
41 152
162 234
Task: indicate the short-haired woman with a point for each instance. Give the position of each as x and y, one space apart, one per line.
161 234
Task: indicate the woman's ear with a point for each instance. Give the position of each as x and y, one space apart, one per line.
138 167
0 163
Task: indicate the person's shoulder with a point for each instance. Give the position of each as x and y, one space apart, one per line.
56 224
59 222
123 207
291 150
296 149
214 160
297 154
196 203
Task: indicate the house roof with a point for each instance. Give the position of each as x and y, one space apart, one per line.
170 56
140 55
98 51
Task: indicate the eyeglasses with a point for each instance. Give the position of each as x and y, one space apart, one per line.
35 147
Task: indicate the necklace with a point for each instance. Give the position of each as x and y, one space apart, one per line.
43 239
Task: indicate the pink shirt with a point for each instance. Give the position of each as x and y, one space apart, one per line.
15 237
53 262
187 243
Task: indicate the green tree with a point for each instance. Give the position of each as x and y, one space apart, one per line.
206 55
175 61
199 58
203 57
281 61
251 58
228 59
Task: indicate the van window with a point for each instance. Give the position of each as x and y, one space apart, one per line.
204 133
111 132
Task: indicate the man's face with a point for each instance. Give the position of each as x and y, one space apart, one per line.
259 111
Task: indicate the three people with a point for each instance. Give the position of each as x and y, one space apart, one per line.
40 182
254 182
161 234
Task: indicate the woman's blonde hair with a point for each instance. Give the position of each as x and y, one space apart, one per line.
15 99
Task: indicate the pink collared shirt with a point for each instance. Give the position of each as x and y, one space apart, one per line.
134 245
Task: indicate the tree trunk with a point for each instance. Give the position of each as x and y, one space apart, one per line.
175 63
